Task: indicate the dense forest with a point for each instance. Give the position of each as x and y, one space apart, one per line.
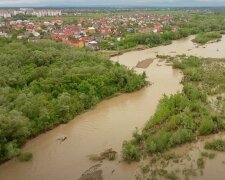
197 111
44 83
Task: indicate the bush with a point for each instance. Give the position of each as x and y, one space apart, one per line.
151 145
180 137
206 126
162 140
130 151
206 37
217 145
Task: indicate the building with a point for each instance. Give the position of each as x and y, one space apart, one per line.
91 30
77 43
5 13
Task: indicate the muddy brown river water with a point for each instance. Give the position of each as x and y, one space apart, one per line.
108 124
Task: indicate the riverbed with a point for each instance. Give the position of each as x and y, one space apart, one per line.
108 124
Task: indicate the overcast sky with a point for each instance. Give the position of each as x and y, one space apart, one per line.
112 2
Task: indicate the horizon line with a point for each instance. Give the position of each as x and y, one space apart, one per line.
115 6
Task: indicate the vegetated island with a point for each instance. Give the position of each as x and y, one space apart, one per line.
44 83
184 117
204 38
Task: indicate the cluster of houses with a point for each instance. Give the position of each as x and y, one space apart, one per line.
88 32
74 35
138 23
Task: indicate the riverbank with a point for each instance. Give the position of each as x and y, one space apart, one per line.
191 49
120 52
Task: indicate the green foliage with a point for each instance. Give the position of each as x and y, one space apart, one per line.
206 126
217 145
181 136
206 37
44 83
151 145
131 152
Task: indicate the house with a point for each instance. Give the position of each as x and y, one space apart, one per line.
36 34
76 43
86 40
157 28
22 36
91 30
105 31
18 26
3 34
93 45
57 21
144 30
130 30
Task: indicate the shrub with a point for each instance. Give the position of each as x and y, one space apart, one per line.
138 137
206 37
206 126
181 136
130 151
162 140
217 145
150 145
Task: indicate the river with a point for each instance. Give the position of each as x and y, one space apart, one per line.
108 124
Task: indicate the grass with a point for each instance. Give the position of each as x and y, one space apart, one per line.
131 152
182 117
204 38
217 145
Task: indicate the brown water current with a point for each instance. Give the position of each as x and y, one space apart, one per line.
108 124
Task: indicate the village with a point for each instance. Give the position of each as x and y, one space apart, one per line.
87 32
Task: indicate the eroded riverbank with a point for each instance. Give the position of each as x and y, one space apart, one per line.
107 125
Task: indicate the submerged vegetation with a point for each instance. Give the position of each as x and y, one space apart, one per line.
203 38
107 154
182 117
23 157
44 83
217 145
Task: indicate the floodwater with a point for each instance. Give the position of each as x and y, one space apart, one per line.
108 124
